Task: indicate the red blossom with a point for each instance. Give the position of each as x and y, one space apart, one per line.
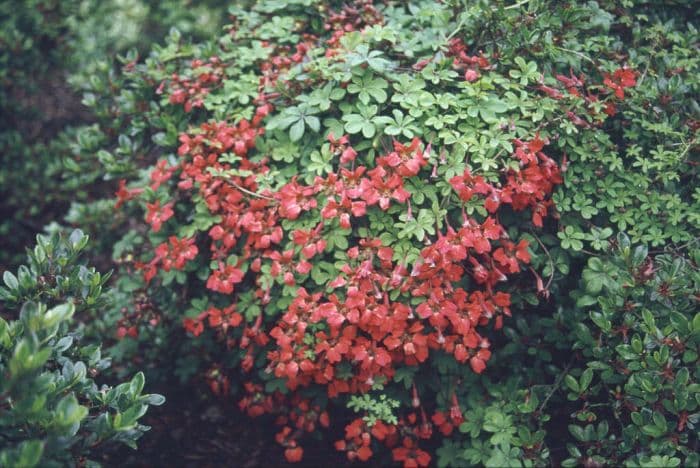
124 194
621 78
157 215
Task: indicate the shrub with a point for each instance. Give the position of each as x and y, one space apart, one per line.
382 308
49 50
51 411
346 202
621 357
637 333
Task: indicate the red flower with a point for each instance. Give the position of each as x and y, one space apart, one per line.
294 199
407 161
411 456
161 173
478 361
381 188
622 78
223 279
193 326
471 75
175 253
123 194
294 455
157 215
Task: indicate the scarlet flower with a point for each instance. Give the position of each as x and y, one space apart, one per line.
551 92
466 185
161 173
478 361
407 161
471 75
364 453
193 326
294 454
157 215
610 109
294 199
176 252
411 457
223 279
622 78
123 194
571 82
455 411
381 188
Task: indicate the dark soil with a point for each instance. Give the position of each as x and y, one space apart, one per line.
191 429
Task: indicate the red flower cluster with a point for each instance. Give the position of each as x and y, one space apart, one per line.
124 194
351 17
283 57
356 327
191 90
296 415
471 64
402 438
156 215
528 187
446 422
300 419
172 254
378 315
575 86
622 78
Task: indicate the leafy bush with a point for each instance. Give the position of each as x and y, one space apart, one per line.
625 386
638 334
51 411
49 50
341 173
345 202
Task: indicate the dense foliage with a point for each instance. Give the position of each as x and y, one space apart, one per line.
636 327
51 411
404 223
50 51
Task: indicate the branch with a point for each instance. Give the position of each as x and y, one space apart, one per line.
252 194
555 385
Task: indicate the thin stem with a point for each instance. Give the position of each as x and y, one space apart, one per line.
252 194
555 385
515 5
551 262
576 52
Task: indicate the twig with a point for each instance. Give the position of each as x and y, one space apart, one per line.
555 385
252 194
515 5
646 69
575 52
551 262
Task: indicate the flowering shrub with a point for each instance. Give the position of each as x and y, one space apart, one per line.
51 411
385 258
344 204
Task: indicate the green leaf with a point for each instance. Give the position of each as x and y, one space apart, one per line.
136 384
58 314
572 383
577 432
30 453
296 131
586 378
153 399
10 280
